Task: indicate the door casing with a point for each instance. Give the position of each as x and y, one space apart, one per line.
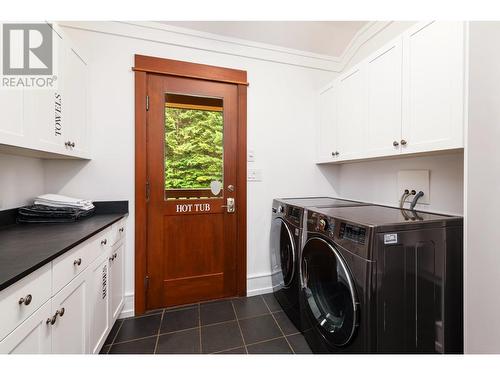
145 65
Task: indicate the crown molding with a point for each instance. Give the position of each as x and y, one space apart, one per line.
157 32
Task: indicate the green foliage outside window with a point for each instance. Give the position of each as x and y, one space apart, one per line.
193 148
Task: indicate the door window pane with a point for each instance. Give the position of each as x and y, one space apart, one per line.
194 146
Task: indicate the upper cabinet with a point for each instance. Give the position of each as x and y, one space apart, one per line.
407 97
433 61
383 106
327 130
50 122
351 121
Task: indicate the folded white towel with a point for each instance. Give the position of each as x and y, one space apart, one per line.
55 200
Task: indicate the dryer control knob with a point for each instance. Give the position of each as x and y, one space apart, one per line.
322 224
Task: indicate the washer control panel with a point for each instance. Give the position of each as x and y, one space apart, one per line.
352 233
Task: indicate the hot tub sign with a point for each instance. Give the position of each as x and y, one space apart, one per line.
193 207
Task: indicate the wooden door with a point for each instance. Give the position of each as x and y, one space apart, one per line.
327 137
352 115
434 79
191 233
384 101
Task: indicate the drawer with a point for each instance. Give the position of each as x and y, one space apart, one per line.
22 299
117 232
101 242
69 265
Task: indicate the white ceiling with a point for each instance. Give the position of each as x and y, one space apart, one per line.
323 37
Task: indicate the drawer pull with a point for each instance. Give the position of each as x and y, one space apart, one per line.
52 320
104 241
26 300
120 230
77 262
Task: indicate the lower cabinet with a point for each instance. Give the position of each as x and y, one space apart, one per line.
78 317
99 302
70 317
117 265
33 336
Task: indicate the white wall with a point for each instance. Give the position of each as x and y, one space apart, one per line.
21 179
280 120
482 258
377 181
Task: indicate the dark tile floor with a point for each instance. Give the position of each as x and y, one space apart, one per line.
253 325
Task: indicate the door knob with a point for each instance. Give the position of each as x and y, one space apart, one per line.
229 205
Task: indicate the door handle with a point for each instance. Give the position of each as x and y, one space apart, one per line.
230 205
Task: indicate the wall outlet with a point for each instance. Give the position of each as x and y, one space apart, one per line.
417 180
250 156
254 175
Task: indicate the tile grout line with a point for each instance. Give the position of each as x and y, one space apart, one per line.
226 350
241 332
199 327
159 330
274 318
114 338
132 340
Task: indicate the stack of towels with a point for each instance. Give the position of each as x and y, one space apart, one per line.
53 208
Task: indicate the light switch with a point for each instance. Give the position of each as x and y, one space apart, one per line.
254 175
251 156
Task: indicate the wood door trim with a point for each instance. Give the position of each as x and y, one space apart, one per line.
145 65
185 69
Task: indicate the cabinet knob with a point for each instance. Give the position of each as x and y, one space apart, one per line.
26 300
77 262
333 153
395 143
104 241
403 142
60 312
121 229
115 255
72 144
52 320
336 153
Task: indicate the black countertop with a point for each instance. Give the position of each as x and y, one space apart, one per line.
26 247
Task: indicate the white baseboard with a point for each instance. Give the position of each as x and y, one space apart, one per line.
259 284
128 306
256 284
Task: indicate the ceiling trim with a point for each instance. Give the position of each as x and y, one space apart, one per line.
187 38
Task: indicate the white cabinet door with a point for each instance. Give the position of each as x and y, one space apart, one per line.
352 109
384 100
12 130
44 112
75 102
116 284
99 301
33 336
327 130
71 307
433 87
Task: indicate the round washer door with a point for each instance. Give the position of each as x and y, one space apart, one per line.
283 248
329 292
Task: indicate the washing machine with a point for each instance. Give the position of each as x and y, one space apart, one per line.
377 279
285 245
